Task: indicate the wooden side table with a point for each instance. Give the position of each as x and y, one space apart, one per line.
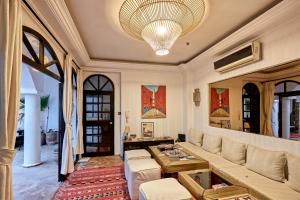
199 183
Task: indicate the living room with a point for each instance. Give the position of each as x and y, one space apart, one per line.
190 92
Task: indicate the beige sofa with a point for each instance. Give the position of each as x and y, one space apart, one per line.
240 174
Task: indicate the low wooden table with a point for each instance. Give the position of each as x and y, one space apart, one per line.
173 165
199 183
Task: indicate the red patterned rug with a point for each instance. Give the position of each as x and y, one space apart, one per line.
103 183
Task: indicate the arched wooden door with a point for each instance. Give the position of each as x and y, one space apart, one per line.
98 116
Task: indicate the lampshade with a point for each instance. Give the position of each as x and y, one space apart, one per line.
160 22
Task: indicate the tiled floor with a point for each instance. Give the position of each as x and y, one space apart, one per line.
36 183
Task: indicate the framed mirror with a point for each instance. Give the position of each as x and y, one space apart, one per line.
265 102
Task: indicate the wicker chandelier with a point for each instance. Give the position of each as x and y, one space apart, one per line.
160 22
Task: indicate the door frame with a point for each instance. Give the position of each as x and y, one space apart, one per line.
96 123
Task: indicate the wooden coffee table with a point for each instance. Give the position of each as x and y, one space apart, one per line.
199 183
173 165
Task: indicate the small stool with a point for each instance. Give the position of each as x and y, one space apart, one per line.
163 189
134 155
140 171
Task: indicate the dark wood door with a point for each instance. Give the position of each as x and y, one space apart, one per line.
98 116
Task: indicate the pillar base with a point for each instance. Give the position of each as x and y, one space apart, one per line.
32 165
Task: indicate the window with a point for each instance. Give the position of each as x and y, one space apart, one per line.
38 53
285 114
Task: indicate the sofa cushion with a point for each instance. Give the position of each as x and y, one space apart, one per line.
195 137
215 161
267 187
294 172
267 163
233 151
212 143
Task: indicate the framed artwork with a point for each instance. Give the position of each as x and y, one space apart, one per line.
153 101
147 129
219 102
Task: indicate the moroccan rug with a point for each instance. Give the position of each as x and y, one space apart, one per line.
95 182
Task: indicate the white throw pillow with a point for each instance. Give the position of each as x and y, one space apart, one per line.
195 137
233 151
267 163
294 172
212 143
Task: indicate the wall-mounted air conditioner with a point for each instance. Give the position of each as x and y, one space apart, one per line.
244 55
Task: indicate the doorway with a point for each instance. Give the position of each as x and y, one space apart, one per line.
287 104
98 116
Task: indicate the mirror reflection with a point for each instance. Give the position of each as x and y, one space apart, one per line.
265 102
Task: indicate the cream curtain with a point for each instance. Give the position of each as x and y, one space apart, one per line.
79 144
268 99
67 165
10 75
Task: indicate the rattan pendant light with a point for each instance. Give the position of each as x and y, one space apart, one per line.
160 22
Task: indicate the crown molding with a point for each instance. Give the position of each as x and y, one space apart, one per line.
63 17
273 17
131 66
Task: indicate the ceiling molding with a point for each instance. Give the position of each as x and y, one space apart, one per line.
50 32
270 20
60 12
132 66
275 15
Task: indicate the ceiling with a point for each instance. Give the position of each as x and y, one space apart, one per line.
104 39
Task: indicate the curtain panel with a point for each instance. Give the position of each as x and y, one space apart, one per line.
79 144
10 75
268 98
67 165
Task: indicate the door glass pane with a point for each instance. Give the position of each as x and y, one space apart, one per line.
106 107
106 98
88 86
91 116
94 81
103 80
108 87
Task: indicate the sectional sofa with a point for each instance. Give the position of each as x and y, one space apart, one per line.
268 174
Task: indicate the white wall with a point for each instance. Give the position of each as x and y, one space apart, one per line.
128 98
280 44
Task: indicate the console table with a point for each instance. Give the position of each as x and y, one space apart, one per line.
145 143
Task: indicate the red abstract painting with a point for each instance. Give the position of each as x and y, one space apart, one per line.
219 102
153 101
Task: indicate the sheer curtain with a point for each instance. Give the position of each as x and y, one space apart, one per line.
79 146
268 99
67 165
10 72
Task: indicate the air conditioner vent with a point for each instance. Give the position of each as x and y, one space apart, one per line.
245 55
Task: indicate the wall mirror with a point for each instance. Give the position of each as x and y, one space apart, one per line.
265 102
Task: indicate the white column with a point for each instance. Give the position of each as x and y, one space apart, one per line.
286 112
32 132
275 120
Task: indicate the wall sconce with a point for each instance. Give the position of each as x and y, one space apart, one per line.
196 97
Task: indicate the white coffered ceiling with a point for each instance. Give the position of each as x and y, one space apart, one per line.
104 39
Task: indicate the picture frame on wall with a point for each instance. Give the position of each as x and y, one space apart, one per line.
147 129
